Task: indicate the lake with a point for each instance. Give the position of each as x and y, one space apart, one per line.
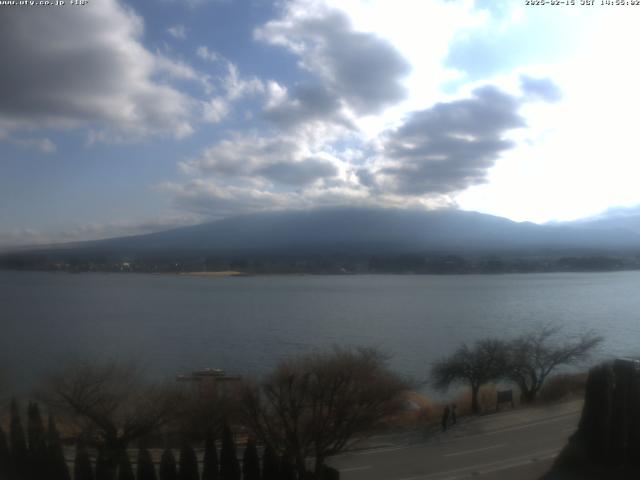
172 324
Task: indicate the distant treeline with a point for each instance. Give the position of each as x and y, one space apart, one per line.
328 264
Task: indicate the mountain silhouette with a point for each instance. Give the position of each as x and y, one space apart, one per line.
356 231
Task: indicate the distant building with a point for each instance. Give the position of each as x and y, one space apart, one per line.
211 382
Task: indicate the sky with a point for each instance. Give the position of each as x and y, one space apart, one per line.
124 117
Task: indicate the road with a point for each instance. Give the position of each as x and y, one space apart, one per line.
518 444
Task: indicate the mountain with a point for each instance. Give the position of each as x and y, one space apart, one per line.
621 219
352 232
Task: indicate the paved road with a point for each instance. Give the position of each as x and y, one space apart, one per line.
519 444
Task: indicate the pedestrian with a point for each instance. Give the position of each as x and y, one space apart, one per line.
454 417
445 417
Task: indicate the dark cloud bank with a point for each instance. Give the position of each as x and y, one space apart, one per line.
452 145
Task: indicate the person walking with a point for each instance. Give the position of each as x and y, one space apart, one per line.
454 417
445 418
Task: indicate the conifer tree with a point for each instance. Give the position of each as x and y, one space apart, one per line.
104 470
168 469
19 451
56 464
270 464
188 463
146 469
82 469
287 471
250 462
6 462
38 455
125 471
210 469
35 427
229 465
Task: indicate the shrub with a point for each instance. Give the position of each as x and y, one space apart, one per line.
561 387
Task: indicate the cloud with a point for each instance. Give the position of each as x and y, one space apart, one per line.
307 103
182 71
93 231
503 41
498 8
360 68
194 3
212 200
285 161
206 54
44 145
432 155
540 89
100 76
21 237
299 172
178 31
237 87
448 147
215 110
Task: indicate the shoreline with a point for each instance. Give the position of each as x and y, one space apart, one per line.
219 273
236 273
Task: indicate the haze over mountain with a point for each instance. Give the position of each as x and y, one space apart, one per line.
620 218
357 231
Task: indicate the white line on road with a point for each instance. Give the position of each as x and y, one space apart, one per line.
390 448
504 464
518 427
525 415
465 452
375 451
354 469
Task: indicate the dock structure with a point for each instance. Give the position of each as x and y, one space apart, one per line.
211 381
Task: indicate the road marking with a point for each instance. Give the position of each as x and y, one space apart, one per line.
354 469
525 415
375 451
465 452
506 466
481 468
518 427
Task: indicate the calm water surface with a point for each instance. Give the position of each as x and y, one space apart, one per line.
245 325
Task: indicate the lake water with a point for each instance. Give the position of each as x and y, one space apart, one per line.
244 325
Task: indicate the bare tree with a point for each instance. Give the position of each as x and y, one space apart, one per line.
314 406
475 366
198 413
534 355
111 404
